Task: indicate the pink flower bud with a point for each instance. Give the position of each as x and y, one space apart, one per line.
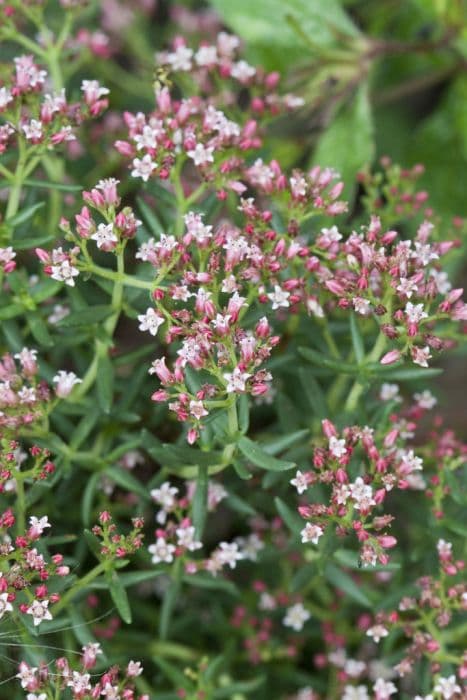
329 428
387 541
390 357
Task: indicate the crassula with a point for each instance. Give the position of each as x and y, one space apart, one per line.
218 451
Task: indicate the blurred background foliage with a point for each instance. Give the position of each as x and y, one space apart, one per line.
379 77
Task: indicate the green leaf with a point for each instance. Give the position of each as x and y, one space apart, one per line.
200 501
150 217
347 585
270 28
119 596
290 518
88 497
127 481
105 383
243 407
172 672
239 504
10 311
44 184
347 145
302 577
24 214
39 329
321 360
93 543
410 373
255 454
32 242
87 316
176 456
168 605
456 492
357 340
313 393
210 583
239 687
284 442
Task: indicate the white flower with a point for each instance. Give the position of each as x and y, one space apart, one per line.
296 616
93 91
80 683
161 551
5 97
377 632
33 130
442 282
143 167
279 298
134 669
64 272
180 59
197 409
414 312
34 696
407 287
389 392
236 380
425 399
410 462
384 689
206 56
39 611
38 525
250 546
242 71
362 494
311 533
447 687
5 605
361 306
186 538
229 554
300 482
420 356
165 495
355 692
26 675
201 155
65 382
150 321
104 235
337 447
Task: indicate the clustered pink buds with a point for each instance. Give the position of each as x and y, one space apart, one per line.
75 678
24 581
45 120
114 545
390 464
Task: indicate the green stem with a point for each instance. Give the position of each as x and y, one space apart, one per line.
20 506
358 388
232 421
17 182
80 585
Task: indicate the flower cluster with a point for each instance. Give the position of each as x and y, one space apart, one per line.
41 682
24 398
114 545
355 494
26 572
39 119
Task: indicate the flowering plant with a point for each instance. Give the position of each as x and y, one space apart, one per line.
218 452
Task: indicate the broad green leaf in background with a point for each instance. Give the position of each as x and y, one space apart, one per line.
271 38
347 145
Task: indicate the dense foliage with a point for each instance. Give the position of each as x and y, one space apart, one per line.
222 302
